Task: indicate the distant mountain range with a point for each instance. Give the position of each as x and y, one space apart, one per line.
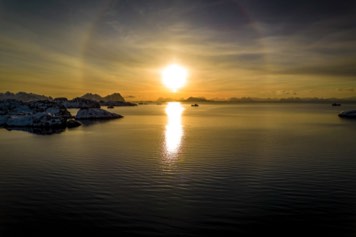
119 99
261 100
196 99
291 100
24 96
189 99
96 97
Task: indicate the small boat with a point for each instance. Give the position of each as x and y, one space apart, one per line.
110 107
336 104
348 114
194 105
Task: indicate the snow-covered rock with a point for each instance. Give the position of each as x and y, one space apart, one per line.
96 113
44 113
45 119
49 107
41 119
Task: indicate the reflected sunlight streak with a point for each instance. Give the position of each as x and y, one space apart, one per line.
174 129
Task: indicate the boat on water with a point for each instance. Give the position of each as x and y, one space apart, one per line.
110 107
336 104
194 105
348 114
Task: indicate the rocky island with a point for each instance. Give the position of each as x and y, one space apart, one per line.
86 100
47 115
96 113
114 99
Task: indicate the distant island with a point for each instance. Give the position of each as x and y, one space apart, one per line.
236 100
114 99
46 115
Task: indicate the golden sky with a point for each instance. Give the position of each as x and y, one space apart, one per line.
230 48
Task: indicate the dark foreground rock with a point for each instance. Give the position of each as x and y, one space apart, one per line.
15 114
80 103
350 114
23 96
96 113
72 123
47 117
42 113
16 107
40 119
116 103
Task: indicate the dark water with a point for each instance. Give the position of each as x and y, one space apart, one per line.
185 171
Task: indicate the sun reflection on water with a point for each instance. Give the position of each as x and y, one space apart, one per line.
174 129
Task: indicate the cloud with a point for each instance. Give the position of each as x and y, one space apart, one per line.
346 89
227 46
286 93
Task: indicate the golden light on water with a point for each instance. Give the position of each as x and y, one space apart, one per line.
174 77
174 129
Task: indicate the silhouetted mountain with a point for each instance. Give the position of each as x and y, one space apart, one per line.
162 99
80 102
96 97
23 96
242 99
114 97
91 96
196 99
291 100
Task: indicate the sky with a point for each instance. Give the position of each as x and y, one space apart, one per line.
231 48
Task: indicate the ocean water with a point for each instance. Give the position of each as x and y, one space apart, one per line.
177 170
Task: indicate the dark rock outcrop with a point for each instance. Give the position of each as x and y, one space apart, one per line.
349 114
117 103
16 107
113 97
60 99
90 96
196 99
80 103
72 123
43 113
23 96
50 107
96 113
47 117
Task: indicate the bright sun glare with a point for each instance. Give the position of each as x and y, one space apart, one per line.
174 77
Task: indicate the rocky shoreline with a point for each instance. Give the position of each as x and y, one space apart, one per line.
49 115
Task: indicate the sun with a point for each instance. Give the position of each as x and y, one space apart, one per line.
174 77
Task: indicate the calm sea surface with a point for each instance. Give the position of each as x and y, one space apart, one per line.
177 170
